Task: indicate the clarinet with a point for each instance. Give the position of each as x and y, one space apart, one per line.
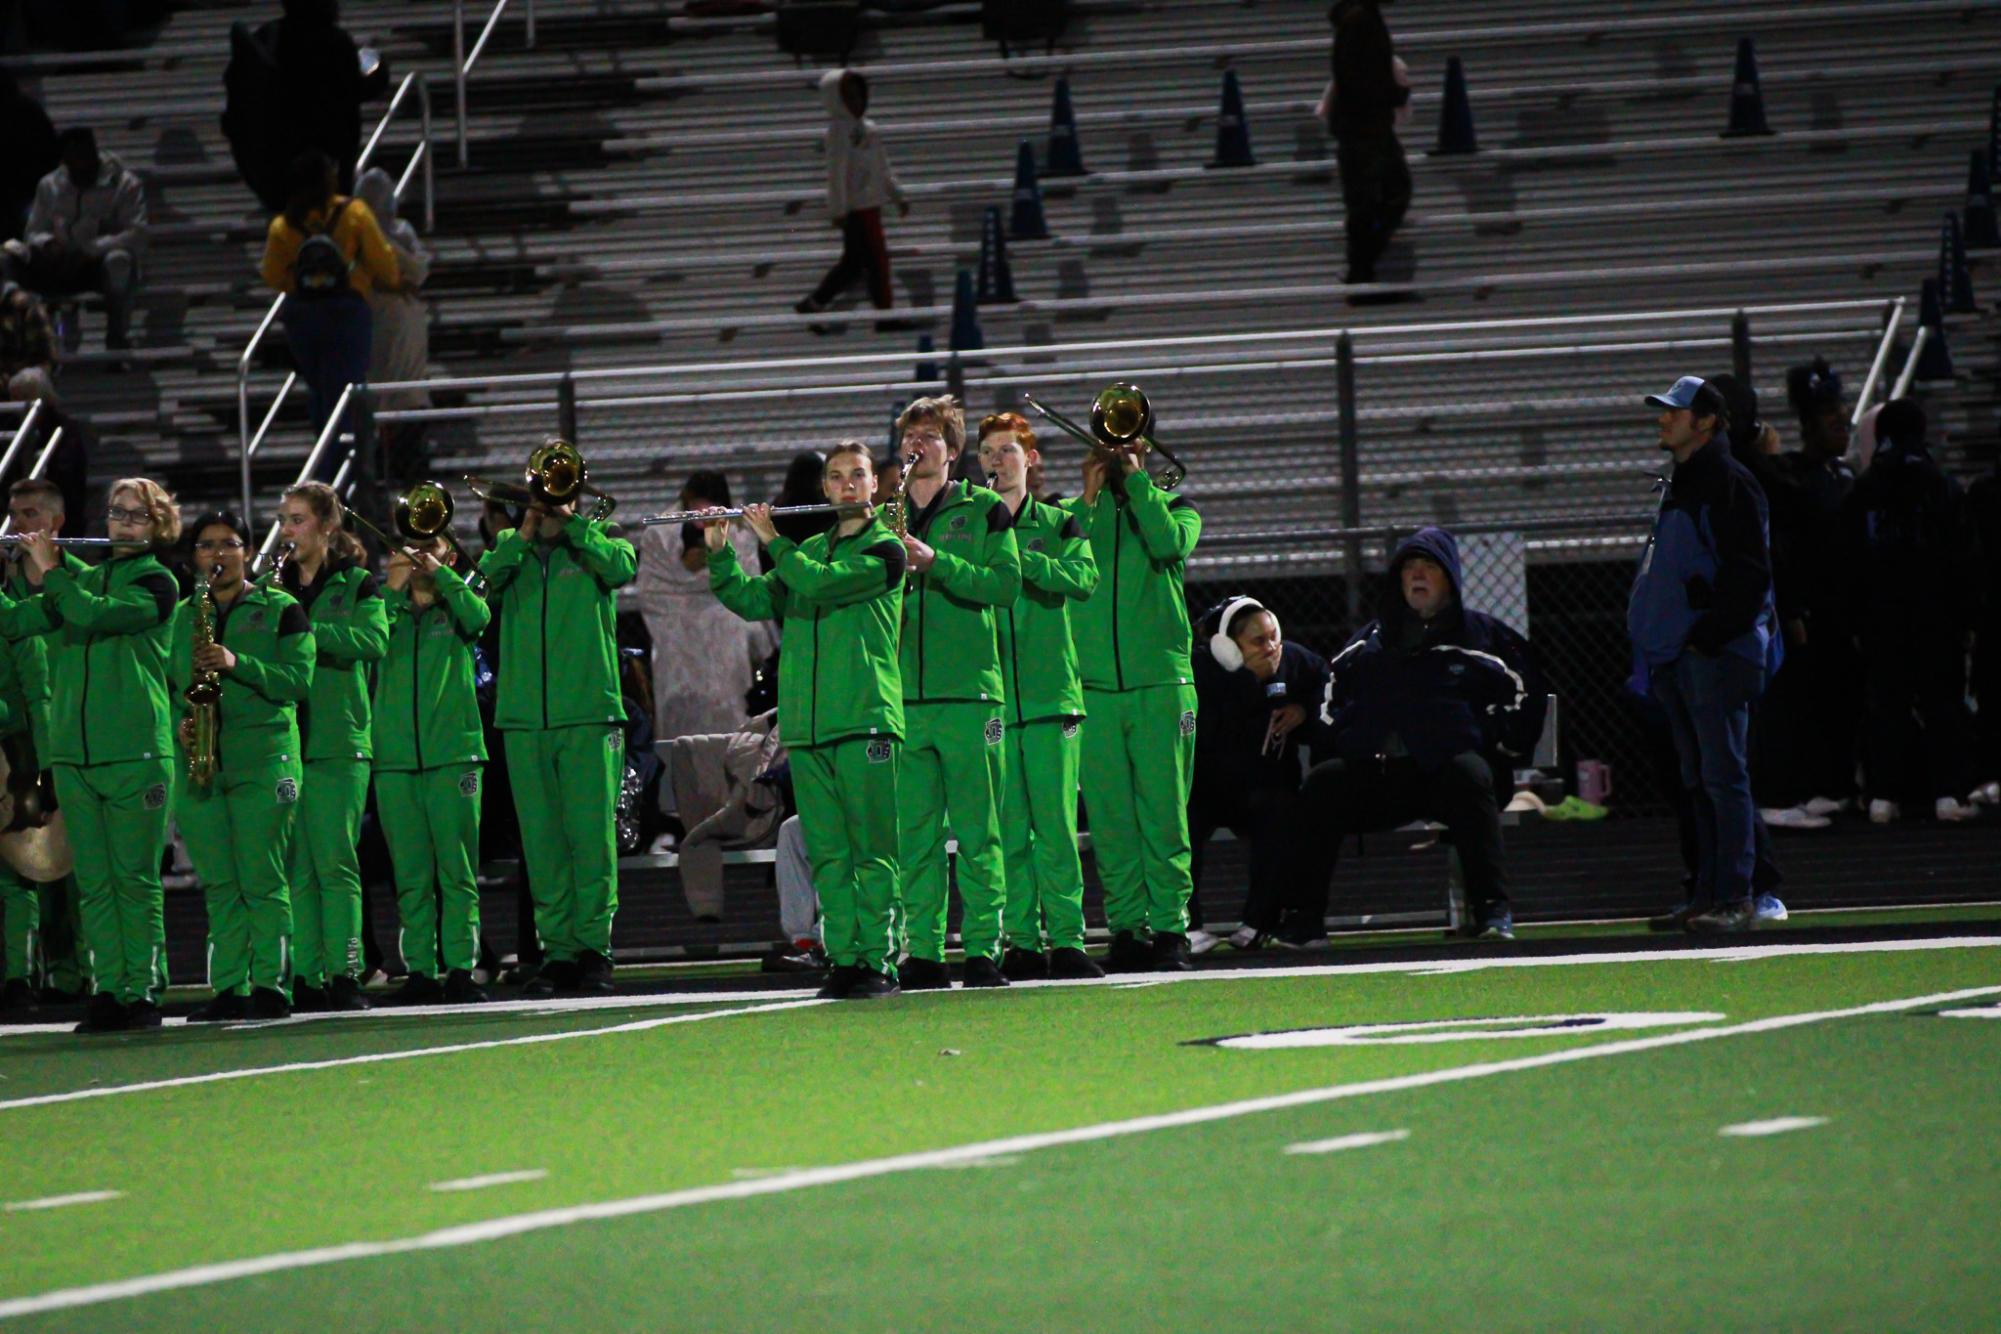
204 694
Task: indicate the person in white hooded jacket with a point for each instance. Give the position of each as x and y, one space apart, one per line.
859 182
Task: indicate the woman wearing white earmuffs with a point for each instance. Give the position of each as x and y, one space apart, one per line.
1254 689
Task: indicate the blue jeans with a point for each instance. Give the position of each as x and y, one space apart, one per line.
331 340
1708 704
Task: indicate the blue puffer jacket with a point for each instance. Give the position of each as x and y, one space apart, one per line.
1461 681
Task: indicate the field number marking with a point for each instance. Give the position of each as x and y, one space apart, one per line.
1365 1140
1778 1125
490 1179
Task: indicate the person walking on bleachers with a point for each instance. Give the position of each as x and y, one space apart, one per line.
86 231
1911 572
292 84
1361 109
859 182
31 153
327 255
401 348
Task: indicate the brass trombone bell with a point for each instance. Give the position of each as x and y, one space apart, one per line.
1121 418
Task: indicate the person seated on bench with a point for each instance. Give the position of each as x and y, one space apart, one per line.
1423 713
86 232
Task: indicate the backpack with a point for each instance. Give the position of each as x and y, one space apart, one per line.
321 269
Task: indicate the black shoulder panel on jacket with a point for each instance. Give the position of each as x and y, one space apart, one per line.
999 517
1180 502
1071 528
893 556
367 588
293 620
165 594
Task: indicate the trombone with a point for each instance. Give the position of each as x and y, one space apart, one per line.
556 475
1120 417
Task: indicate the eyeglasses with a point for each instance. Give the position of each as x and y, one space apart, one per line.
118 514
226 544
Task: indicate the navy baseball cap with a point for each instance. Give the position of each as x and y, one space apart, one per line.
1681 396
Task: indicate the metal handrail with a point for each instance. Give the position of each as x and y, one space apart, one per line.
41 466
1911 362
249 443
1895 318
329 434
20 436
463 60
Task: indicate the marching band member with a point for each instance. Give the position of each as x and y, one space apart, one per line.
430 751
838 596
238 824
107 627
1045 714
555 581
963 565
328 574
1139 689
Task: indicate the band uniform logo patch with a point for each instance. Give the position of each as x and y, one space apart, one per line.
257 618
469 783
1188 722
1070 729
1037 544
155 798
879 751
993 731
613 739
958 522
288 791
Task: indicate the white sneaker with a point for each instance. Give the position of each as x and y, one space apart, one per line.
1884 812
1950 811
1201 942
1824 806
1987 794
1247 938
1794 817
1769 908
662 845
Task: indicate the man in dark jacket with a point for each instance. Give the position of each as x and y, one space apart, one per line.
1703 626
1253 688
1419 711
292 84
1361 115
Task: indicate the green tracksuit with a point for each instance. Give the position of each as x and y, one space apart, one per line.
840 709
1045 713
239 828
954 760
429 753
1139 751
109 733
564 719
350 631
52 911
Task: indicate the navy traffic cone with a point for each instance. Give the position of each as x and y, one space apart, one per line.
1747 98
1455 119
1980 230
966 316
996 278
1233 131
1028 223
1994 135
1065 156
1935 361
1955 284
926 368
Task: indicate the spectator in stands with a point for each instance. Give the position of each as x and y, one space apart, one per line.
1253 689
68 468
888 477
859 182
798 907
86 232
1983 507
31 153
402 327
1911 563
1422 715
802 487
704 656
319 84
1704 627
1361 108
327 254
27 345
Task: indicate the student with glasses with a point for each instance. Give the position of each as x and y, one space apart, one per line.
107 629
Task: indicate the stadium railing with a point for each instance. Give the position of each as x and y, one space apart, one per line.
463 60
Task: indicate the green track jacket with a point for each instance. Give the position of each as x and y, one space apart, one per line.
107 628
1134 631
24 664
272 639
351 630
426 709
558 604
1038 654
950 651
837 600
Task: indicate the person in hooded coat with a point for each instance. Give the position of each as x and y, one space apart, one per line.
1423 712
859 182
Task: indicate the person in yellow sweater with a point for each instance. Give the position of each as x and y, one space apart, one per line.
324 254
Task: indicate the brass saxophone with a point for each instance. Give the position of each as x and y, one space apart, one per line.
204 694
899 507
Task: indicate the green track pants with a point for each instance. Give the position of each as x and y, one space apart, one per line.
61 936
848 812
430 819
324 871
117 819
238 834
21 906
952 773
1139 761
565 784
1045 878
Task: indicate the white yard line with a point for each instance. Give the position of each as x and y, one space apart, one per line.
1367 1139
1778 1125
63 1201
1978 1012
490 1179
375 1058
496 1229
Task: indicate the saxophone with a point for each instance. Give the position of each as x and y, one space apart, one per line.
899 507
204 694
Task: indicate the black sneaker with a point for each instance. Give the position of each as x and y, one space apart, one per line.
915 974
1497 928
269 1003
1069 963
104 1015
309 999
1170 953
1725 919
1128 954
1673 921
57 996
521 974
343 994
981 971
554 975
460 989
142 1014
871 985
593 977
18 997
840 982
417 989
1024 965
225 1008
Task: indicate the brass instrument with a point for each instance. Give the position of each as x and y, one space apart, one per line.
899 508
204 694
272 575
1120 419
556 475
